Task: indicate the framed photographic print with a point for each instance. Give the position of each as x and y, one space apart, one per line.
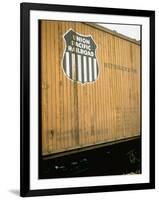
87 99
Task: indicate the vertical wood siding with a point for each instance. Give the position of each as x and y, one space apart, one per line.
78 115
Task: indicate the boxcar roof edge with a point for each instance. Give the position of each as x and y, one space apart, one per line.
115 33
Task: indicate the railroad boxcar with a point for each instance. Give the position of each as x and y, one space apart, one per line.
89 87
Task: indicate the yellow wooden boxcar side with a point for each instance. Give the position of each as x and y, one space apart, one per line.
75 115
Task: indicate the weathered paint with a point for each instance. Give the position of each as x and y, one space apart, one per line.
78 115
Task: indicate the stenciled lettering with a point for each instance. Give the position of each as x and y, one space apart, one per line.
120 67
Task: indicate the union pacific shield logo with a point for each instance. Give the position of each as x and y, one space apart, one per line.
79 58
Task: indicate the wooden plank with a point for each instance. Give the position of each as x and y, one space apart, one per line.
43 89
49 86
53 86
80 104
65 96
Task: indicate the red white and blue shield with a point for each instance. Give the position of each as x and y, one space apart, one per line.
79 58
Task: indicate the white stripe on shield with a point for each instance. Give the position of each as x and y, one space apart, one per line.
90 68
85 68
67 64
79 69
73 67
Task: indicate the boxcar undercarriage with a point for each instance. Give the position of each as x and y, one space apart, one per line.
119 158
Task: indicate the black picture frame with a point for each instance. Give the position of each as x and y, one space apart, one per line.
25 9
